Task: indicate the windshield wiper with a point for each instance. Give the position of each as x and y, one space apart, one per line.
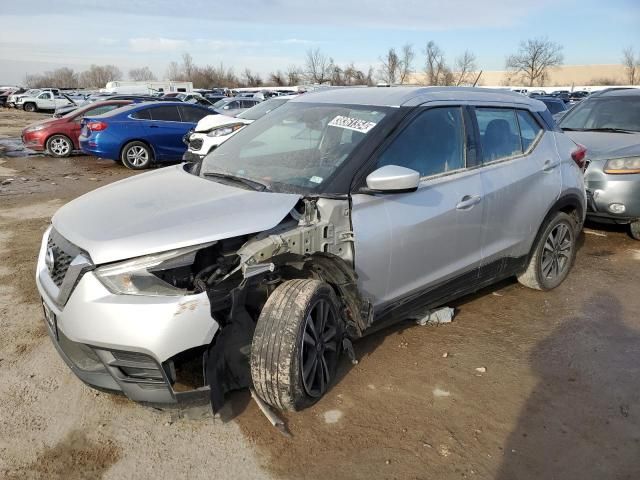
604 129
253 184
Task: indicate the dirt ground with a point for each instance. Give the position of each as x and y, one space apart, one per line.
522 385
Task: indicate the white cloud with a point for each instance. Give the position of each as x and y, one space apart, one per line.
157 45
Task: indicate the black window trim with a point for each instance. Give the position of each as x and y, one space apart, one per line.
515 108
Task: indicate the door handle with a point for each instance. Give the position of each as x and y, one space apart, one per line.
548 166
468 201
154 126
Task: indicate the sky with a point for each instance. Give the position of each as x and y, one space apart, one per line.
265 35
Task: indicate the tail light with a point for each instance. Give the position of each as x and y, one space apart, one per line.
579 155
96 126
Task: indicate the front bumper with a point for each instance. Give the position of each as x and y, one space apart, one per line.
34 140
189 156
603 190
124 343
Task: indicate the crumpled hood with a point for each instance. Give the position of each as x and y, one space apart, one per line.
212 121
605 145
163 210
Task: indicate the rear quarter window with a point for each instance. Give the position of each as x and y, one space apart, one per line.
143 114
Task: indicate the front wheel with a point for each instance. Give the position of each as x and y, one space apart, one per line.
296 344
553 254
30 107
634 229
59 146
136 156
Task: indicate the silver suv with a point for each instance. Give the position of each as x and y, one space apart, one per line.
334 214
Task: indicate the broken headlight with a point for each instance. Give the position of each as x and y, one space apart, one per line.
147 275
623 165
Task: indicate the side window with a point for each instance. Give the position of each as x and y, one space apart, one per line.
45 96
433 143
233 105
167 113
192 115
142 114
499 133
529 129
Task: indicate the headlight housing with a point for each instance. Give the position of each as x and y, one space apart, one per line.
35 128
622 165
142 276
224 131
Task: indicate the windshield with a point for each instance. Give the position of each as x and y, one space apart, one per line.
621 113
296 148
262 109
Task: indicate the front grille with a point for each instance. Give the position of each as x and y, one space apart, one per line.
62 260
196 144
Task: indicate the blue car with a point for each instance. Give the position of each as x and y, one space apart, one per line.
141 134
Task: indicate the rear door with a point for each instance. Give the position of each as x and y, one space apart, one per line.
520 180
409 243
165 131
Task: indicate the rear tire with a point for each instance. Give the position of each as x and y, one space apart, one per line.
30 107
136 156
59 146
296 344
553 254
634 230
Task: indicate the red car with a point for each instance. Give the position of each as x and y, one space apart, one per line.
59 136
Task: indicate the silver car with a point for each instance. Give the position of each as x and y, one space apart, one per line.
607 123
335 214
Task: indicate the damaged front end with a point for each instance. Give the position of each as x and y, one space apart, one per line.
314 241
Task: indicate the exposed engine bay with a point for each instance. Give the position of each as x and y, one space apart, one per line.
314 241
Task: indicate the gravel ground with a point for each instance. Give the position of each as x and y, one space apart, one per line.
521 385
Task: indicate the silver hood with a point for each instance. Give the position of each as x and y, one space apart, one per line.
162 210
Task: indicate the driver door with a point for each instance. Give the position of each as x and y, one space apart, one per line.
407 244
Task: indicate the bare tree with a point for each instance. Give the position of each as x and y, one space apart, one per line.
173 71
141 74
319 67
465 68
293 75
436 70
188 67
278 78
631 65
98 75
406 62
252 79
390 67
534 59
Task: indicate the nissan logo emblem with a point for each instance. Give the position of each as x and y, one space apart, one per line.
50 260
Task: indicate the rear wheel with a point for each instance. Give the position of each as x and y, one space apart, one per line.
634 229
553 254
30 107
296 344
59 146
136 156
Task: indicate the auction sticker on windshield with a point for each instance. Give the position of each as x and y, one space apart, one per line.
352 124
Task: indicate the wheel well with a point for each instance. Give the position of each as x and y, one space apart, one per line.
153 153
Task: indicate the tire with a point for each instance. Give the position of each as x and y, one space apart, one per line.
136 156
634 230
30 107
555 244
59 146
282 345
